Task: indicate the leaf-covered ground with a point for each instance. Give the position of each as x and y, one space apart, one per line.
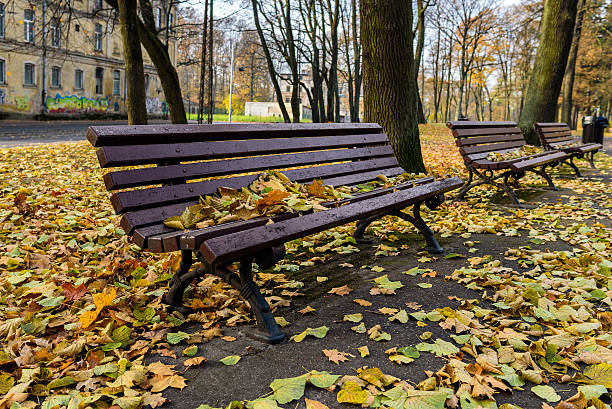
517 311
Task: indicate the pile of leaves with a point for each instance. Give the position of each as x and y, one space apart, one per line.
525 150
80 305
270 194
568 145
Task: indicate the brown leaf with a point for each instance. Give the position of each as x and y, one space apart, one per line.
194 361
274 197
341 291
363 303
314 404
306 310
316 188
336 356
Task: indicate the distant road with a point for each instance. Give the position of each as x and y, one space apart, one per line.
17 133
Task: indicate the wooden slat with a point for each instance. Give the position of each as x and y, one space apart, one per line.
479 124
227 248
158 153
549 124
141 235
143 198
531 163
590 147
560 141
490 147
474 132
148 176
559 128
488 139
170 134
147 217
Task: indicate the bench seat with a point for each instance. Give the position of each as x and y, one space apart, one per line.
554 136
476 140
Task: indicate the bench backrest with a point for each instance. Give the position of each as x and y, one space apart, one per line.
553 134
476 139
170 166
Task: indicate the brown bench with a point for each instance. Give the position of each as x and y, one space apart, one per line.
556 136
195 160
476 140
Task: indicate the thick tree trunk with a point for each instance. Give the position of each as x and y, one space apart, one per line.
568 80
134 70
390 97
549 66
357 64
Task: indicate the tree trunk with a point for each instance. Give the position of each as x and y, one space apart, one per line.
357 64
271 69
167 74
134 70
568 80
390 97
549 66
203 65
420 30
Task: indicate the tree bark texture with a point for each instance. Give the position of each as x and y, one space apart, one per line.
390 97
570 70
134 71
556 34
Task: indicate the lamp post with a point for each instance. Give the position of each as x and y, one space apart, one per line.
231 78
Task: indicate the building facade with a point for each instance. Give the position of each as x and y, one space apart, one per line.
66 60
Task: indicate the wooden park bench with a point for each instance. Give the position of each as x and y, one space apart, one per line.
476 140
183 162
558 136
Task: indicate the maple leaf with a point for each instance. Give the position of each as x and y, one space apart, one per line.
341 291
274 197
336 356
196 361
316 188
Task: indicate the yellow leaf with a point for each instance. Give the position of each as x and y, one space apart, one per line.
105 298
88 317
600 374
352 393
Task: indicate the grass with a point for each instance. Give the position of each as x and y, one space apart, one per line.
242 118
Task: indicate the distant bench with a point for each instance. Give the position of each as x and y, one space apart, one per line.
476 140
558 136
344 154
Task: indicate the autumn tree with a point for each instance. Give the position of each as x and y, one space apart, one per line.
390 97
556 33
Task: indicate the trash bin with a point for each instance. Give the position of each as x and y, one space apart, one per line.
593 129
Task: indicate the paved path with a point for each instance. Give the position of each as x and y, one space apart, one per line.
19 133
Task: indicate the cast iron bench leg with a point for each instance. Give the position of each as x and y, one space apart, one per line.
591 158
181 280
268 330
542 172
571 163
361 227
432 244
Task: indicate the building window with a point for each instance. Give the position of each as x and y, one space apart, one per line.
98 4
159 17
98 37
28 25
1 20
2 71
77 28
99 80
146 81
116 82
78 79
56 32
56 77
29 73
171 17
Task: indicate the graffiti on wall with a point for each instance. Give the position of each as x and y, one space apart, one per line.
156 106
20 103
73 104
